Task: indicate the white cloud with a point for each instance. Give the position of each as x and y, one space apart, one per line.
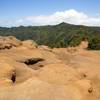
69 16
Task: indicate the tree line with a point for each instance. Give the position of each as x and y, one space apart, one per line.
61 35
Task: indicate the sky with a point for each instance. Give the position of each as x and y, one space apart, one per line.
49 12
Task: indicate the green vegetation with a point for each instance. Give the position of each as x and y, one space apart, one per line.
62 35
95 43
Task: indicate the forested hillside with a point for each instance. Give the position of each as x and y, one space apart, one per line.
61 35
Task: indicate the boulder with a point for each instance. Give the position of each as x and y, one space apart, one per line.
29 44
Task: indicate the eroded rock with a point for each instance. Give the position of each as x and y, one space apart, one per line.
63 74
9 42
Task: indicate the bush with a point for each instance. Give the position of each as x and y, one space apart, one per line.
94 43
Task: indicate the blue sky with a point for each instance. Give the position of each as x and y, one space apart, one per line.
26 11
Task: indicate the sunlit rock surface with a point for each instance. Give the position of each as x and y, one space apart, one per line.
32 72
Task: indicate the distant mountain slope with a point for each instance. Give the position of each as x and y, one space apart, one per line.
61 35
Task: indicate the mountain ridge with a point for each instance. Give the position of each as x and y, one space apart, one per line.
61 35
62 23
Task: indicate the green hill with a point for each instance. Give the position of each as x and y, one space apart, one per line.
61 35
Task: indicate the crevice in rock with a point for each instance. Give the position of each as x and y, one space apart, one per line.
90 90
32 61
13 77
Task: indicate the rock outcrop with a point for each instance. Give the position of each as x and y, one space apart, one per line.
29 44
9 42
32 72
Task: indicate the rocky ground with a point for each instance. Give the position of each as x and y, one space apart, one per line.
32 72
